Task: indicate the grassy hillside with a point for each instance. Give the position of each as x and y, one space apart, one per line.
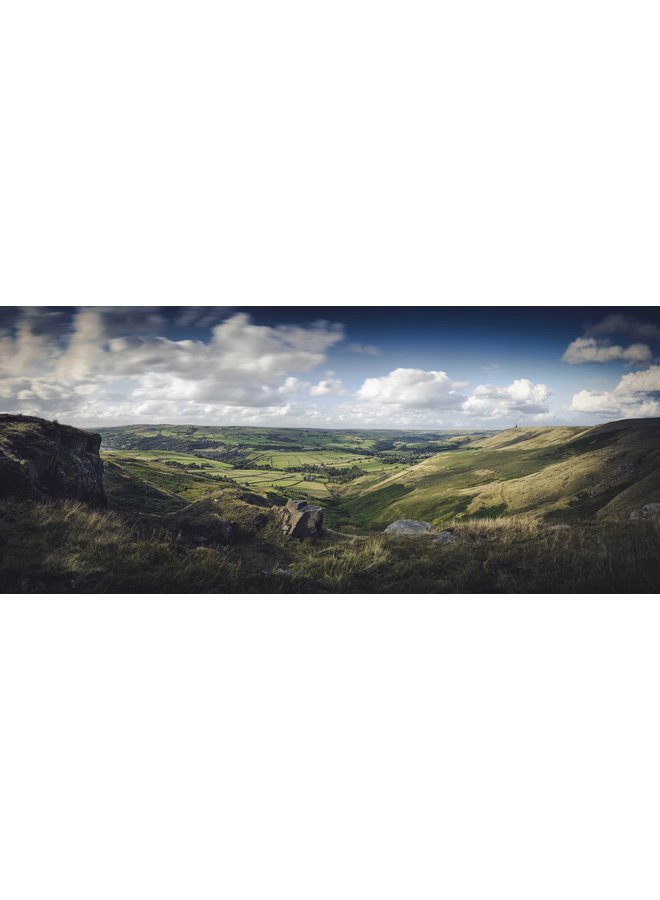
68 547
188 437
563 474
183 518
187 462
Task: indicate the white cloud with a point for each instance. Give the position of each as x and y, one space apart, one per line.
636 395
413 389
589 349
94 371
408 396
367 349
330 385
521 397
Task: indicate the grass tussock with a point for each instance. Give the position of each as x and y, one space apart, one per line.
66 546
516 555
346 566
70 547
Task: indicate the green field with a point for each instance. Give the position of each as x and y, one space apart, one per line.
561 474
170 489
283 459
368 479
200 476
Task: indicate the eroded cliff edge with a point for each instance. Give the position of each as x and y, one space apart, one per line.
41 459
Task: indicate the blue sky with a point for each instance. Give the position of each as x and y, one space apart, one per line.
417 367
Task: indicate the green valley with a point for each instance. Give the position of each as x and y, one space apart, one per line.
189 508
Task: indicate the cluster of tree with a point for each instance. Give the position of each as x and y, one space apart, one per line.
339 474
178 443
233 456
175 464
405 456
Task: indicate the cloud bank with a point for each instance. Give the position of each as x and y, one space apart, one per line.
637 395
93 369
588 349
395 395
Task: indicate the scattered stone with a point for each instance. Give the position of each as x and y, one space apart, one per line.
283 572
557 529
300 520
447 537
409 527
650 511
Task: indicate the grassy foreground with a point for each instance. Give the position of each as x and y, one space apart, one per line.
69 547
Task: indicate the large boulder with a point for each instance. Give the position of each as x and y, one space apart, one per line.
409 528
650 511
300 520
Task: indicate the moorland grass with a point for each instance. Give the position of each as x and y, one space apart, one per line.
67 546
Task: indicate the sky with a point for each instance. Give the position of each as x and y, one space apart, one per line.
337 367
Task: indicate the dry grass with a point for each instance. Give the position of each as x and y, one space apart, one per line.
67 546
512 555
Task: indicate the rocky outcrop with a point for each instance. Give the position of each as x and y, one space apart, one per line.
300 520
409 527
447 537
41 459
650 511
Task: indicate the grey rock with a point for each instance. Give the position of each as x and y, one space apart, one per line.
41 459
300 520
650 511
409 527
557 529
447 537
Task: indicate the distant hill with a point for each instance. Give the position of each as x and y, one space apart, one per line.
527 509
566 474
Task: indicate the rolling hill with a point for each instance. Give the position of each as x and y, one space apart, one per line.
560 474
180 519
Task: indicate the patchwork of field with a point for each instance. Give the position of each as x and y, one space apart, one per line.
366 480
165 456
283 459
181 437
190 477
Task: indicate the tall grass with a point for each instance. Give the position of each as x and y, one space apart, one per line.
68 546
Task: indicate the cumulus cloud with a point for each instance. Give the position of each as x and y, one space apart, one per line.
521 397
31 338
589 349
636 395
367 349
330 385
413 389
427 393
627 327
122 361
